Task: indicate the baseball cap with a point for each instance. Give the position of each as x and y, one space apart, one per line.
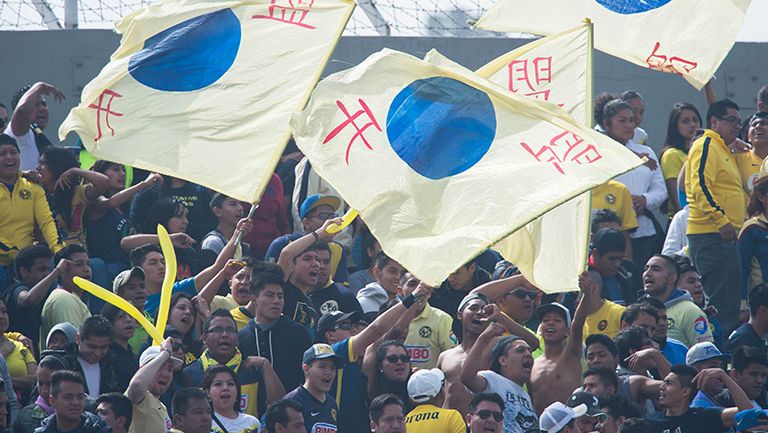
556 307
471 297
320 351
557 415
316 200
587 399
424 385
153 352
704 351
7 139
328 320
122 278
500 348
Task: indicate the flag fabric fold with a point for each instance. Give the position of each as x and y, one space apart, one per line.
203 90
442 163
685 37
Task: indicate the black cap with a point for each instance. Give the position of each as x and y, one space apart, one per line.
329 320
588 399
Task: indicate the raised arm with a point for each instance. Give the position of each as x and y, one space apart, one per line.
137 388
293 249
230 269
494 314
577 326
36 295
104 204
469 375
98 183
244 226
22 115
496 289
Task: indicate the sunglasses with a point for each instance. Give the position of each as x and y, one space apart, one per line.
344 326
485 414
522 294
405 359
324 215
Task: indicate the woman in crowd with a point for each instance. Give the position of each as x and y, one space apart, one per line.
224 390
684 121
753 239
20 359
186 316
646 184
106 221
393 368
32 415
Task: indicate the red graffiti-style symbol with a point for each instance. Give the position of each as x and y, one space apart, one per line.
106 110
351 120
294 13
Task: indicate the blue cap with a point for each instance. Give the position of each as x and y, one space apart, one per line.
316 200
320 351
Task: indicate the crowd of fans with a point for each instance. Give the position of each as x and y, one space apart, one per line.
278 325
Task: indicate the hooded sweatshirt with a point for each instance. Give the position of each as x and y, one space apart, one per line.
89 423
687 322
372 297
283 344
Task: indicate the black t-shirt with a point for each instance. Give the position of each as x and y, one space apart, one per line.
745 335
299 308
25 320
319 417
695 420
126 366
334 298
105 234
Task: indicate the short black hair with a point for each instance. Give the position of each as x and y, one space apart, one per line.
632 313
67 253
758 297
745 355
686 373
259 280
607 376
609 240
64 376
120 405
604 216
277 413
634 425
382 260
719 109
321 246
183 396
652 302
378 404
603 340
630 338
219 312
25 259
485 396
95 326
669 263
139 253
618 406
17 96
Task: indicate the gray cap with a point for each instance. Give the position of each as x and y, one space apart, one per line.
122 278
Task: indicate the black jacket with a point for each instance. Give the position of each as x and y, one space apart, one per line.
89 423
283 345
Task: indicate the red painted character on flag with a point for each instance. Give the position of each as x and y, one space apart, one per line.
673 64
351 119
565 147
295 12
531 76
107 110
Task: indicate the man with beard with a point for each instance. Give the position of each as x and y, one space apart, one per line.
511 366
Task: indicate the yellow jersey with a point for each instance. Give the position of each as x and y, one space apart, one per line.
428 418
606 320
616 197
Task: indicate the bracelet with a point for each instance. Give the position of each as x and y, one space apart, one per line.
314 234
409 300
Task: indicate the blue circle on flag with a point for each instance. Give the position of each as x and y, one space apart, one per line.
190 55
629 7
441 127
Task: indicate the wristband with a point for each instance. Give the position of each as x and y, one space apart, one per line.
314 235
409 300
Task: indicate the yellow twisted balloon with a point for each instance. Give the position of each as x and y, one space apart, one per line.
345 221
165 295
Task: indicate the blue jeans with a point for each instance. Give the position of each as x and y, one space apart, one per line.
719 264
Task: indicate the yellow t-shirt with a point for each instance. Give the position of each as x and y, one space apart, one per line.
672 161
749 167
18 359
429 334
606 320
61 306
241 318
616 197
428 418
150 415
225 302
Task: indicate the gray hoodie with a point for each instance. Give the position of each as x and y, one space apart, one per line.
372 297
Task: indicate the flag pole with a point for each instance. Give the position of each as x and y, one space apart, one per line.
589 117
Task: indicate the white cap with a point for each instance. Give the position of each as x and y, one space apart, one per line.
705 351
424 385
153 352
557 415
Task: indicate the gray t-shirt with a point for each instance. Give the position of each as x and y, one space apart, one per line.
519 415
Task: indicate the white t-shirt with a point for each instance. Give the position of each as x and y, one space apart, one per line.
519 414
640 137
27 147
92 374
649 183
244 423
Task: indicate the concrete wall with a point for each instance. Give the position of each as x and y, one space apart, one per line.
70 58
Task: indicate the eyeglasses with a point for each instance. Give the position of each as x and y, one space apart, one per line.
344 326
324 215
485 414
732 120
405 359
219 330
522 294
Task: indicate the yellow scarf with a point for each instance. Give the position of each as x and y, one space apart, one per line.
233 363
